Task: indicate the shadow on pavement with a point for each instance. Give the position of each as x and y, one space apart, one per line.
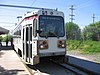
9 72
6 48
1 53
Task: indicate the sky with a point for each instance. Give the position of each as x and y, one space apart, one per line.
84 10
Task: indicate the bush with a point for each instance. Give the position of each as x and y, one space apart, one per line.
1 38
85 47
72 44
7 37
91 47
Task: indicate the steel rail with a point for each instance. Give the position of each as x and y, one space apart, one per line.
73 69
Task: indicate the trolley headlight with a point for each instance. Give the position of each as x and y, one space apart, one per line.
61 43
43 44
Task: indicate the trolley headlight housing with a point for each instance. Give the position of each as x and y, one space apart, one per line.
61 44
43 44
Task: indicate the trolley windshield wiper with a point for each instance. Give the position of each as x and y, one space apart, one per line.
46 35
51 32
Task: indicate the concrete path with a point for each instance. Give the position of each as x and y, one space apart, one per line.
10 63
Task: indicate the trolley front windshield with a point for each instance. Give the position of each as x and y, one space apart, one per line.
51 26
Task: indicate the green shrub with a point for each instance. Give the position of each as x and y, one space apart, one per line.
92 47
85 47
1 38
72 44
7 37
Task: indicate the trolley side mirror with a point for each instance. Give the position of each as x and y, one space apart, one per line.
39 31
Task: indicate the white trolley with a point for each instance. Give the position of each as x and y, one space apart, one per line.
40 34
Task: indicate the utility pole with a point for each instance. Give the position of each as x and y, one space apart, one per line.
93 18
72 15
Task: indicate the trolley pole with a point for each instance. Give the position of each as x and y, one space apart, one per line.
72 15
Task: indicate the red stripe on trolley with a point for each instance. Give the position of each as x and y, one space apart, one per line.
30 18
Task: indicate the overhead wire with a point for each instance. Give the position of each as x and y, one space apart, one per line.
86 4
16 6
33 3
7 23
83 5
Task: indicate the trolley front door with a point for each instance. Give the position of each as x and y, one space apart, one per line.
24 44
27 45
29 42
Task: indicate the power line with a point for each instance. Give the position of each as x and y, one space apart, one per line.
7 15
87 4
15 6
9 9
33 2
7 23
8 26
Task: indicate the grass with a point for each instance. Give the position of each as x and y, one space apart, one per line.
85 47
72 44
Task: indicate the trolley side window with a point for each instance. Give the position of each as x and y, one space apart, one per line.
23 33
26 33
31 33
17 31
34 27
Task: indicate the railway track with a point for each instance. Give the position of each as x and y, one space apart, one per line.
49 68
46 68
52 67
72 68
78 70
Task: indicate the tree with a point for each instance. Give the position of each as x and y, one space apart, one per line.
92 31
0 38
72 31
7 37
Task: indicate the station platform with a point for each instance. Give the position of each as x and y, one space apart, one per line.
10 63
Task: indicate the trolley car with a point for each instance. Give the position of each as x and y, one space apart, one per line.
40 34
